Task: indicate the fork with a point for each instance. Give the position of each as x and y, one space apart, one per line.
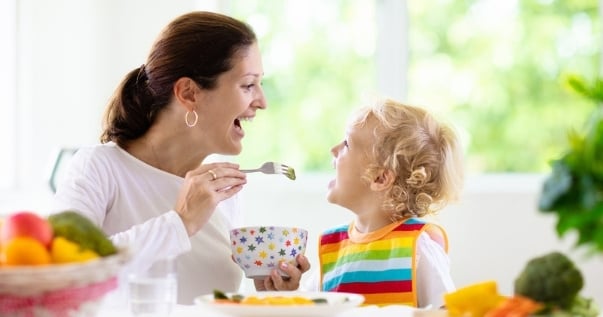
274 168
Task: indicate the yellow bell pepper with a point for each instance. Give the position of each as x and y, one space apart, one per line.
474 300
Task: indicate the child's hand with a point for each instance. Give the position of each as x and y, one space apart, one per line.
275 282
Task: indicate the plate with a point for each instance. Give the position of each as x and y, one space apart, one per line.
336 303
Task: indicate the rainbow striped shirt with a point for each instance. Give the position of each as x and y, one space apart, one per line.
379 265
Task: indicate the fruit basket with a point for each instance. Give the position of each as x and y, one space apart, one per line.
65 290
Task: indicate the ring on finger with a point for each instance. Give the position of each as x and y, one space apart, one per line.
213 175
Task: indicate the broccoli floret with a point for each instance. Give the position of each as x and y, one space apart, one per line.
584 307
551 279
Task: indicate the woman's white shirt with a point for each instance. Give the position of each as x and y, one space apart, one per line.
132 202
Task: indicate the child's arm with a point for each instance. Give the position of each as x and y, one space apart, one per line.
433 273
310 281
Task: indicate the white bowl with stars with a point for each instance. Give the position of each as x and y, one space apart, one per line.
260 249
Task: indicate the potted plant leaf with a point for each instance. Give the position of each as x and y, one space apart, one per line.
574 189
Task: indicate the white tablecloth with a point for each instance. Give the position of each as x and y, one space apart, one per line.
364 311
115 304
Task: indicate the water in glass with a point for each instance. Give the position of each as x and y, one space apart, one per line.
153 292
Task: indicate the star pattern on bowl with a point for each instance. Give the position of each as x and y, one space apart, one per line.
267 246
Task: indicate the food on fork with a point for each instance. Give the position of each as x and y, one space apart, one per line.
273 168
290 173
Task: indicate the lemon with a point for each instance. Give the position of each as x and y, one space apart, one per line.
65 251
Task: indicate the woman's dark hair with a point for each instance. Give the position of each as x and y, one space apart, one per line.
198 45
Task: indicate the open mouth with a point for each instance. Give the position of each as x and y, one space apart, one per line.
238 123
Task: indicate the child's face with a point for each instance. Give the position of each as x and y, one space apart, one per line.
350 159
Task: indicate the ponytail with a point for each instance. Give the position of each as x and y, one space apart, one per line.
129 113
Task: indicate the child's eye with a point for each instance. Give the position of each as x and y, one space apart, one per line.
248 87
345 143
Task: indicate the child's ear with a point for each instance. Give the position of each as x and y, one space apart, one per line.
384 181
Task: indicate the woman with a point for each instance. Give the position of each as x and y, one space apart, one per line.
145 184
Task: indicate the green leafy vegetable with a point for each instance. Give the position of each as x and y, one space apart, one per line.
218 294
236 298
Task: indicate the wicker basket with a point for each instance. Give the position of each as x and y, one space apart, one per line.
59 290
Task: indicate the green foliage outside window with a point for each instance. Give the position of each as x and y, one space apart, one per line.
500 65
314 76
492 67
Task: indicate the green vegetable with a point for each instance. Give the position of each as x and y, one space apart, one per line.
552 280
584 307
218 294
81 230
236 298
290 173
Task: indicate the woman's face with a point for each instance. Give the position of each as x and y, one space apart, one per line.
350 159
235 100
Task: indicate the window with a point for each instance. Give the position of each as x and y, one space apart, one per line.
492 67
496 68
319 62
480 63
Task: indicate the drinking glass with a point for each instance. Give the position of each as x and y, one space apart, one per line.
153 293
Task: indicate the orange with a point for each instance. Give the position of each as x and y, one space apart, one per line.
25 251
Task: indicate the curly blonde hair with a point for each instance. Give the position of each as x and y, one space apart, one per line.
424 154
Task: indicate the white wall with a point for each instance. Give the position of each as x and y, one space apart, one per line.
493 231
71 56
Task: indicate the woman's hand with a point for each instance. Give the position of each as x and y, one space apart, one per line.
275 282
205 187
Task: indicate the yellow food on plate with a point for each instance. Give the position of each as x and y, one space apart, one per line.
220 297
277 300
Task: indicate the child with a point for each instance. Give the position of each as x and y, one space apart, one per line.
395 165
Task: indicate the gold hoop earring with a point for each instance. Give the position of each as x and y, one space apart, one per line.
190 125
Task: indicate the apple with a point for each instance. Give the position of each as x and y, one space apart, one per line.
26 224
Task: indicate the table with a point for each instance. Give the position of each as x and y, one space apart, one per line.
363 311
115 304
